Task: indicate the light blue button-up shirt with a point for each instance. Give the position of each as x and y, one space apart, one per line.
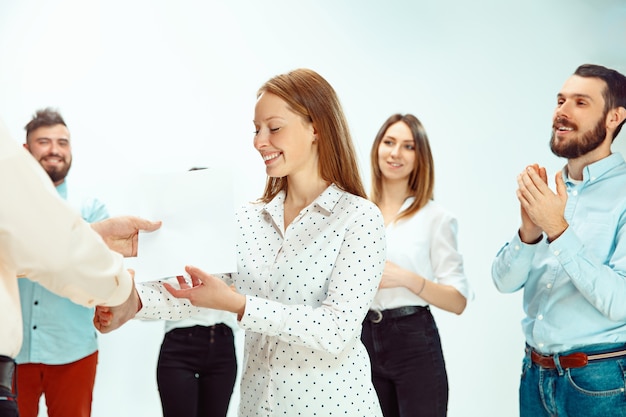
575 286
57 331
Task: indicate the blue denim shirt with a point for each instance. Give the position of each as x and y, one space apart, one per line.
575 286
56 330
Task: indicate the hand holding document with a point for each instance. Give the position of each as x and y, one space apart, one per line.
198 223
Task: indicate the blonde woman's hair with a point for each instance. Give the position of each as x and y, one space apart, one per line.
312 97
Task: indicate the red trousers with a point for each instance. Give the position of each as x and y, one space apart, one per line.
68 388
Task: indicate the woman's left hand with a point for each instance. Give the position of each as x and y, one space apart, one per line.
208 291
392 276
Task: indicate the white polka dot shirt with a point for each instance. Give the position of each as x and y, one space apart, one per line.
307 291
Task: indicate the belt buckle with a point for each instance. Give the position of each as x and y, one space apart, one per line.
378 318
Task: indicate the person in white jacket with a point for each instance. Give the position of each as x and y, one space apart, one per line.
43 238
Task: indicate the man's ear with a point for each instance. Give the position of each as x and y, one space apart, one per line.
615 117
26 146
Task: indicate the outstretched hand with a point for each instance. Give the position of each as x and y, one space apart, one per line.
121 234
208 291
107 319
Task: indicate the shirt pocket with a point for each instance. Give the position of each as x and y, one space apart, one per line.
597 232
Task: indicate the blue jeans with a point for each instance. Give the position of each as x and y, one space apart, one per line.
408 370
597 389
196 371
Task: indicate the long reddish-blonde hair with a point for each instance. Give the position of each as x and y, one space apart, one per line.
312 97
421 182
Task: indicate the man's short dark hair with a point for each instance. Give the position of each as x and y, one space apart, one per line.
44 118
615 92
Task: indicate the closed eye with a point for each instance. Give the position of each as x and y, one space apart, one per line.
276 129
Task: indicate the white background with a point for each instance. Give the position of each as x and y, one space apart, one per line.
152 86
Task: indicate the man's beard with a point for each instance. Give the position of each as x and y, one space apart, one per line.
576 147
57 174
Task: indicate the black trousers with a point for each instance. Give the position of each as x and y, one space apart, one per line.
408 369
8 404
196 371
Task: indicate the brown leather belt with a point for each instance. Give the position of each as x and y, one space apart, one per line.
7 370
376 316
573 360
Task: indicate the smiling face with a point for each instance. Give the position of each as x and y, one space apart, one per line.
396 152
50 146
283 138
579 120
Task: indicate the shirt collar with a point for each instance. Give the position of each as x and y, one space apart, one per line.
593 172
62 189
326 201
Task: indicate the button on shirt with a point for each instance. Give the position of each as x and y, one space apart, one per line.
56 330
307 292
575 286
425 243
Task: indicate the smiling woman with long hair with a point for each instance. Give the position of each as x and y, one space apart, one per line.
310 254
423 268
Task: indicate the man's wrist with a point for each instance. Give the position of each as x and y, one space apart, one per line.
553 235
552 238
528 238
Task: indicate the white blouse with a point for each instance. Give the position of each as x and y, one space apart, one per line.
307 292
205 317
425 243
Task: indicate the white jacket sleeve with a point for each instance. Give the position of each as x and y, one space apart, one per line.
43 238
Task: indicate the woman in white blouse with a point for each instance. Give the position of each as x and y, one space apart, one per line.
423 268
310 254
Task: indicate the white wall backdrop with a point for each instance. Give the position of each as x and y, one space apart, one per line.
154 85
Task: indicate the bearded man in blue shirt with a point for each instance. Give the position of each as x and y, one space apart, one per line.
60 352
569 256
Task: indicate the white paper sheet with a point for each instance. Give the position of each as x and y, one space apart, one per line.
198 215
